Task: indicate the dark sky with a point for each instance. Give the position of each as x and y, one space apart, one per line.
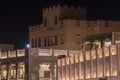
16 16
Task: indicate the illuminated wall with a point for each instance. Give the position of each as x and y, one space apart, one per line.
94 64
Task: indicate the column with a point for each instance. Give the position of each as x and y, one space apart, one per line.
100 63
113 59
72 69
118 60
88 64
59 69
63 69
7 69
84 66
56 70
93 64
16 66
67 68
106 62
81 66
26 71
76 67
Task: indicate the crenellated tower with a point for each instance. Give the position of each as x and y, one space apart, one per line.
53 14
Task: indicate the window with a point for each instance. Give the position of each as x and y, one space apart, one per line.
4 74
55 20
32 43
52 40
21 72
78 38
55 39
45 40
88 24
62 38
13 73
48 40
45 22
39 42
35 42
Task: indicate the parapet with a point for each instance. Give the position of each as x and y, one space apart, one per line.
51 8
69 12
35 27
12 54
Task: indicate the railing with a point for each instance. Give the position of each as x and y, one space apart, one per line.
12 54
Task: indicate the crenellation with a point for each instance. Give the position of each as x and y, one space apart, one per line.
35 27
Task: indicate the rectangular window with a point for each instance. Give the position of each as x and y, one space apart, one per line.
55 20
35 42
39 42
52 40
48 40
45 40
45 22
56 40
32 43
62 38
78 39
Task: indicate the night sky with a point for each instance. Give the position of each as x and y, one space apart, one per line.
16 16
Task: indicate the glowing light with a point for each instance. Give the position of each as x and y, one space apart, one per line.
28 46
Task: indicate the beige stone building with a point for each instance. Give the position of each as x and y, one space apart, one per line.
99 64
47 64
65 28
64 32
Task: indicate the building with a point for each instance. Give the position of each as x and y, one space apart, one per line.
62 30
6 47
52 64
56 49
13 65
31 64
99 64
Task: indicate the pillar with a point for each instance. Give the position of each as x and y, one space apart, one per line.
7 69
118 60
32 65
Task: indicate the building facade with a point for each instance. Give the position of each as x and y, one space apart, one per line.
13 65
62 30
99 64
31 64
53 64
